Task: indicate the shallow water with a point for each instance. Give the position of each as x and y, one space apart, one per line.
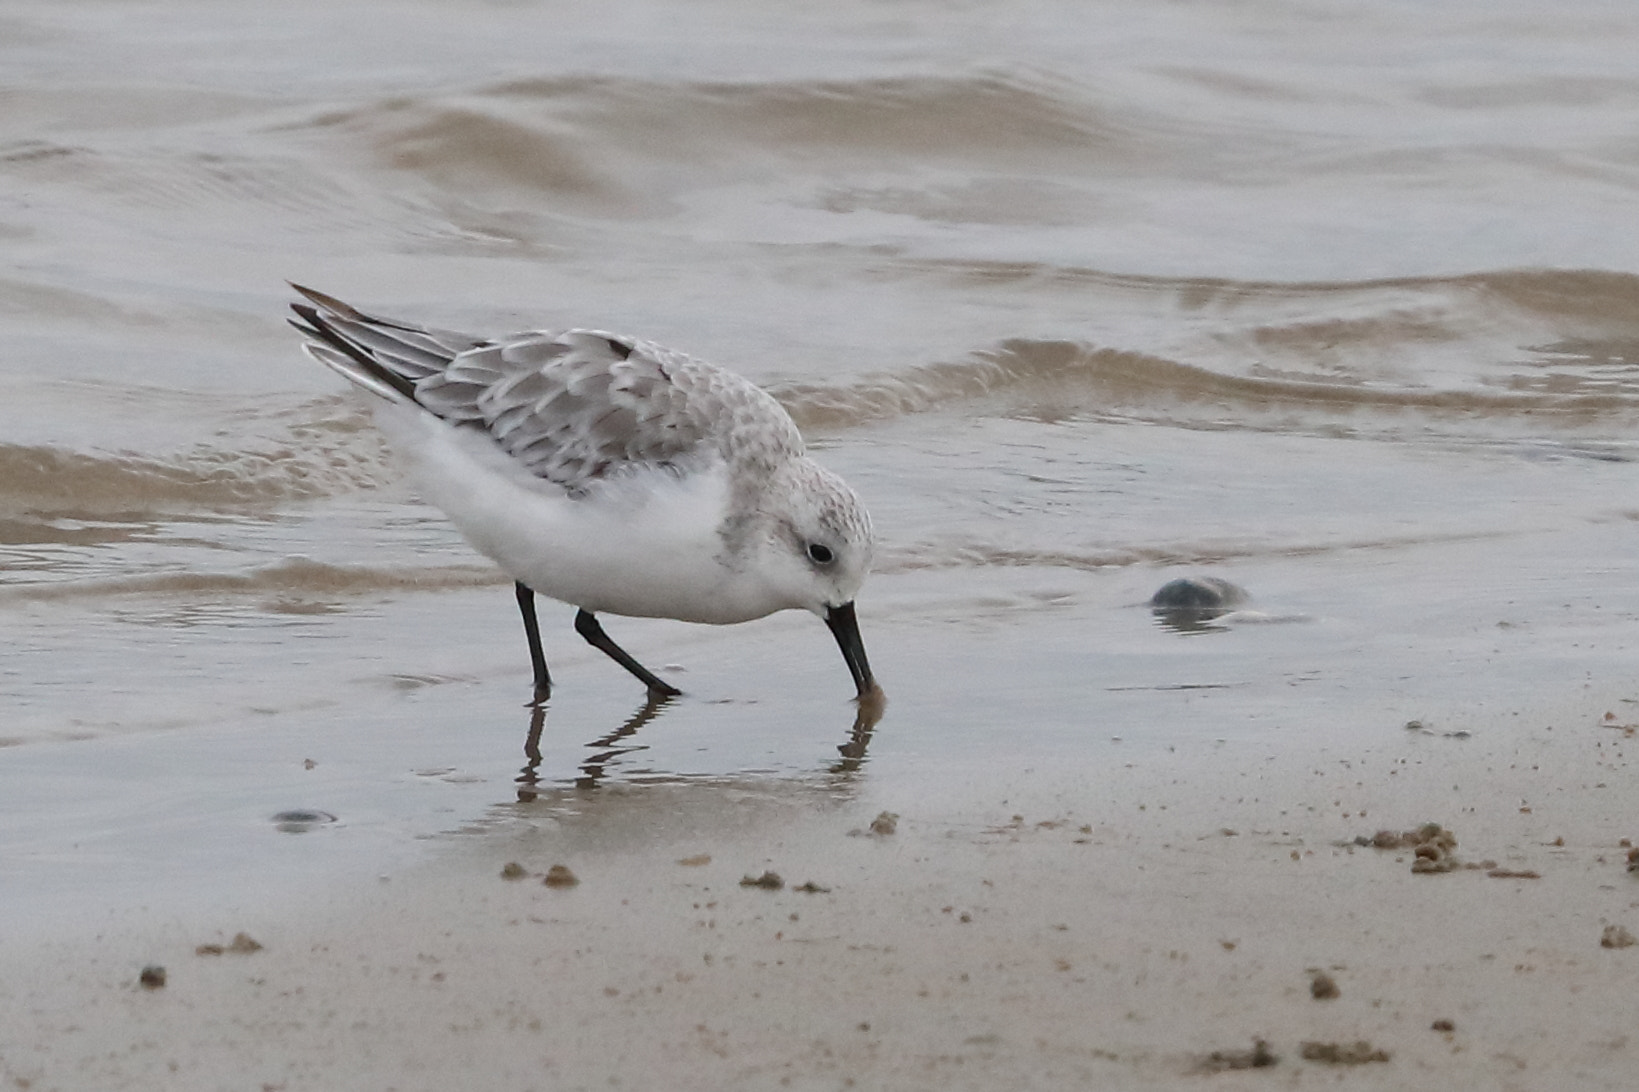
1338 303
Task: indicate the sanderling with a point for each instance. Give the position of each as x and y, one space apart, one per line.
611 474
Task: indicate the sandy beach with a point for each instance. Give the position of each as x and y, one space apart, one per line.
1037 940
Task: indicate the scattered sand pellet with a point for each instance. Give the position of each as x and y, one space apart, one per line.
512 870
887 822
1356 1053
768 881
1617 936
152 977
1259 1057
560 876
812 888
1444 1025
242 944
1323 987
695 861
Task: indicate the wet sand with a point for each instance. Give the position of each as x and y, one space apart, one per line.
1149 938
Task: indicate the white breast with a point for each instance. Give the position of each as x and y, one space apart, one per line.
645 544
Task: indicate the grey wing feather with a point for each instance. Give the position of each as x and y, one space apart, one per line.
578 405
383 356
571 406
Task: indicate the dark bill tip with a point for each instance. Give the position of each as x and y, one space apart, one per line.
845 628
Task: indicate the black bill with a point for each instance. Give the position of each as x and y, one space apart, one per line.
845 628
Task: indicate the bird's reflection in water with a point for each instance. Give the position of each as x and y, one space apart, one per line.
609 750
868 711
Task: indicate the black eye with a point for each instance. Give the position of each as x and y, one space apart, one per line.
820 554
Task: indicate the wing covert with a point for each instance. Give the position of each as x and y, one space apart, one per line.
578 405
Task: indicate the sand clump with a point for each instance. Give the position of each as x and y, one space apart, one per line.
1433 847
1434 850
1258 1057
241 944
560 876
1617 936
1359 1052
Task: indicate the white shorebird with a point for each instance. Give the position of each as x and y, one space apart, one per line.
612 474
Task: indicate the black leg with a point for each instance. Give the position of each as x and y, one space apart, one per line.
532 630
587 626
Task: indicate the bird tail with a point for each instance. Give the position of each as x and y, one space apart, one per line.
383 356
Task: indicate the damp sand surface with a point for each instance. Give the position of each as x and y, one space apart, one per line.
1169 928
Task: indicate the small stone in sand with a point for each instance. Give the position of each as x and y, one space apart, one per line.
512 870
1322 986
1191 604
152 977
560 876
1617 936
1357 1053
1633 860
768 881
1198 593
812 888
1443 1025
885 823
696 861
301 820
